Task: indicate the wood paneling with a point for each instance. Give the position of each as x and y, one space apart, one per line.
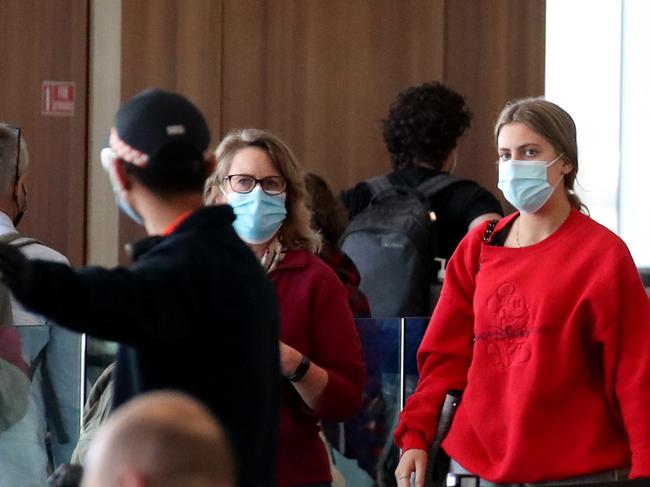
174 45
48 41
494 53
321 74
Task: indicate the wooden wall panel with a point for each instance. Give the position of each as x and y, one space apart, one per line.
48 41
174 45
321 74
494 53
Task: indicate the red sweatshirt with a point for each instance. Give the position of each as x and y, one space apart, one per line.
551 344
316 320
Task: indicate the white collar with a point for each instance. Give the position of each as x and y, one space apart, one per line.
6 225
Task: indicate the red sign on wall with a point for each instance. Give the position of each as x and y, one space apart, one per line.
58 98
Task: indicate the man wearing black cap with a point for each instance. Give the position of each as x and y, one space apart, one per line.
195 311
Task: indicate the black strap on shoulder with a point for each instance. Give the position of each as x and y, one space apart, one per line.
489 230
17 240
378 184
437 183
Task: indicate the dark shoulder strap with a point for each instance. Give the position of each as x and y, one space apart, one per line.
489 230
437 183
17 240
378 184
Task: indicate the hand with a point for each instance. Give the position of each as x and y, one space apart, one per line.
414 460
14 269
289 359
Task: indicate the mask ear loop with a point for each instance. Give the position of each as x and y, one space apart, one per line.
561 175
555 160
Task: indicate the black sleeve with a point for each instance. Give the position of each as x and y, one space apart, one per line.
356 199
120 304
465 201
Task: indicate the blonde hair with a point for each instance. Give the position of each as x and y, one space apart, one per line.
296 230
556 126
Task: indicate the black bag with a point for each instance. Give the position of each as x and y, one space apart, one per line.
393 243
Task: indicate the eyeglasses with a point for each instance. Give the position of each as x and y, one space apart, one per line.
18 137
244 183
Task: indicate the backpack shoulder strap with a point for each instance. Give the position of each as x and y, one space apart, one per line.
378 184
437 183
17 240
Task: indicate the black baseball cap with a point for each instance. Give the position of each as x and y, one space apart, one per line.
154 119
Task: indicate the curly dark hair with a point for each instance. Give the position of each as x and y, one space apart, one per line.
424 124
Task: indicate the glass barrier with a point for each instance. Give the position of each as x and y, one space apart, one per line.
40 401
362 448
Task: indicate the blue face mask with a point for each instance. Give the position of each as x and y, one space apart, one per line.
108 163
525 183
127 209
259 215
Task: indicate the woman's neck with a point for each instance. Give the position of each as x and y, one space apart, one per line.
259 249
532 228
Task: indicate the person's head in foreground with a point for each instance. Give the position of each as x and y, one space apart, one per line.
160 439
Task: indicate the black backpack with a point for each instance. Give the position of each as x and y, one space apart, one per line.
393 243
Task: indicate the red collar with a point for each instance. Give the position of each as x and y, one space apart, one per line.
174 225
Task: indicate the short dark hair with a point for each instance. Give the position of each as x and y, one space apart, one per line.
173 171
424 124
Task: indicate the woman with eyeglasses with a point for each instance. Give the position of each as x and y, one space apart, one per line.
544 323
322 371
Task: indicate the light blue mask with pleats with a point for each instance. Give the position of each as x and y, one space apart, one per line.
525 183
259 215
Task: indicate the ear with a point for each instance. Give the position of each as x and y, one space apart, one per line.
20 192
567 165
119 172
214 196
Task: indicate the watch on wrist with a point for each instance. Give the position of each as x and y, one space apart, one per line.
301 370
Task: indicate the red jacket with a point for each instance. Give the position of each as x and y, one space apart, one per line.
316 320
550 344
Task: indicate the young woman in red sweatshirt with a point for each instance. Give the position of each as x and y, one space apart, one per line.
544 323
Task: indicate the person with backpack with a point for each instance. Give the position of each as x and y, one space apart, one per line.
544 324
183 311
391 237
39 361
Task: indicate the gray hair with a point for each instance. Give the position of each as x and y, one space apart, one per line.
8 157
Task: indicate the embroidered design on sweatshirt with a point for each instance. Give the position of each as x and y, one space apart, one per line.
508 335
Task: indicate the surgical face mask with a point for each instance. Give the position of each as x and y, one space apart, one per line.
259 215
525 183
108 163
